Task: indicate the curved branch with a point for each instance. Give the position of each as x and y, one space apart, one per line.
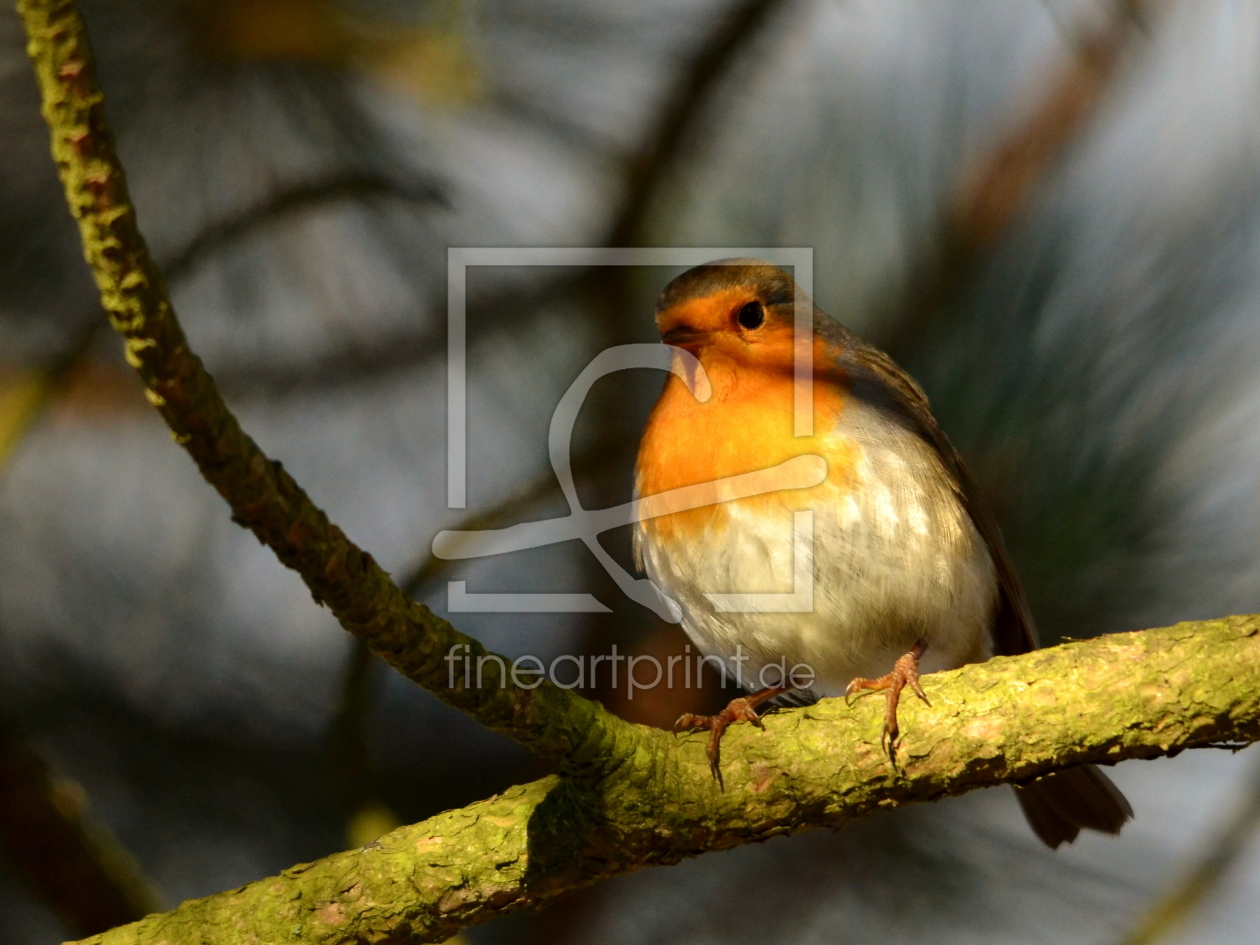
348 729
1133 695
264 498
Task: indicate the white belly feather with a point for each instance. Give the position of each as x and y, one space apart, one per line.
895 559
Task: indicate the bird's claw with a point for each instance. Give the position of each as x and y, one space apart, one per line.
905 672
742 709
692 722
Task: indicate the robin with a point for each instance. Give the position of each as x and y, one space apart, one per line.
910 575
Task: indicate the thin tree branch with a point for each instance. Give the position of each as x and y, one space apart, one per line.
556 723
1133 695
349 728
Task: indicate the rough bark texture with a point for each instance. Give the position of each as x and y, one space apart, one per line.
1135 695
263 497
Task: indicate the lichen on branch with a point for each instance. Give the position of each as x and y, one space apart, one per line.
1134 695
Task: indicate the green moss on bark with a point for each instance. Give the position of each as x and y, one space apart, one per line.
1136 695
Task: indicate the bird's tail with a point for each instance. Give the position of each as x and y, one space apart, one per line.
1058 805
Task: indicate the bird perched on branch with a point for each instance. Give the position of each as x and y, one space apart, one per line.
909 573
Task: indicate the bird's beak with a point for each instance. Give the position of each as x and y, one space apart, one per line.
683 336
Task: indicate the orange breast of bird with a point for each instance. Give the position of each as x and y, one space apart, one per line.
747 424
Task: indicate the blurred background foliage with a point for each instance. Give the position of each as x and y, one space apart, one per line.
1047 210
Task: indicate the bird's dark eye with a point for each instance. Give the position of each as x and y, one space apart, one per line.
751 316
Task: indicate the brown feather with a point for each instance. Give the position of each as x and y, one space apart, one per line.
1060 803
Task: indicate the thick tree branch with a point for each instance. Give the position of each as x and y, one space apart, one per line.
1134 695
263 497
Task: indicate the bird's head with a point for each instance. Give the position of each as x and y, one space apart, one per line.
732 309
736 320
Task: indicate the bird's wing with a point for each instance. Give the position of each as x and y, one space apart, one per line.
893 388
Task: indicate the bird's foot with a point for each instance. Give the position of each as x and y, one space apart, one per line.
743 709
905 672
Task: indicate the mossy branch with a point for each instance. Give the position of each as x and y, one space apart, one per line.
263 497
1134 695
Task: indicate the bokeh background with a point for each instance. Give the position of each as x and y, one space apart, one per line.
1048 211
